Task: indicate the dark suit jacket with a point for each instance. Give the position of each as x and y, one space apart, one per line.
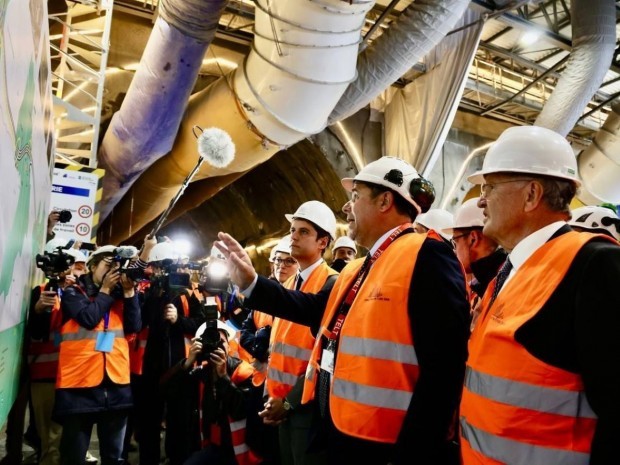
439 317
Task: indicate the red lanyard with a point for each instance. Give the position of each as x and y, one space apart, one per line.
361 276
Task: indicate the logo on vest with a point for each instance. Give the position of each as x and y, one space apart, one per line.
376 294
498 315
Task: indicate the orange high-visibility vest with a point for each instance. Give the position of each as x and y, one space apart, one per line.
376 367
515 407
43 355
291 343
81 366
261 319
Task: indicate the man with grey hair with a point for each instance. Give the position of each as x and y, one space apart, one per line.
542 376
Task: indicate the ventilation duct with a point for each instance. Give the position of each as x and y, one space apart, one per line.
146 125
416 32
302 60
599 164
594 41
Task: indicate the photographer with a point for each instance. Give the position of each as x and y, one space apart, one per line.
225 391
93 374
44 323
171 325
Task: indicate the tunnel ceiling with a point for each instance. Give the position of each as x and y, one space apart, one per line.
252 207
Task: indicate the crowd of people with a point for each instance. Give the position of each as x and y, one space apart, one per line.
480 338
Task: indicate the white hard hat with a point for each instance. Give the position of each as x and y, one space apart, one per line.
397 175
438 220
283 245
469 215
593 217
53 244
77 255
220 325
109 249
344 241
529 150
162 251
317 213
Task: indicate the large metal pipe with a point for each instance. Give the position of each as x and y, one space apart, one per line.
147 123
302 60
599 164
418 29
594 41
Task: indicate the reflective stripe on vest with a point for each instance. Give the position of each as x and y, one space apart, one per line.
514 452
376 367
524 411
291 343
81 365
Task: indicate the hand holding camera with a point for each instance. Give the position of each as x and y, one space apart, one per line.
171 314
110 280
46 301
218 361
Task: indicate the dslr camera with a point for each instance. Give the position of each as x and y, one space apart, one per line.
123 256
210 338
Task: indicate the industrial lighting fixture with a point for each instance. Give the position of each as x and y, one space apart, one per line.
530 37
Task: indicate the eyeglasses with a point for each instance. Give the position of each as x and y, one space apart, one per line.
285 261
454 238
485 189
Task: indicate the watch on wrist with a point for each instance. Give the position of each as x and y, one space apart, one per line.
287 406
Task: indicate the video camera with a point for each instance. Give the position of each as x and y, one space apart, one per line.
54 263
174 277
210 337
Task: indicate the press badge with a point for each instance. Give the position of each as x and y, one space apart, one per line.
327 361
105 342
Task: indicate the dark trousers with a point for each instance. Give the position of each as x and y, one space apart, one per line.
77 430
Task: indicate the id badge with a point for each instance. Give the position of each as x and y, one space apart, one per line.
105 342
327 361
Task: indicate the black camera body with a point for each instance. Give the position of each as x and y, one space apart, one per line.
210 337
64 216
215 278
123 256
54 263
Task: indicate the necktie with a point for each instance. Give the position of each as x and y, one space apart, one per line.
299 282
504 271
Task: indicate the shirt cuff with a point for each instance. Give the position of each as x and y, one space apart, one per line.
247 292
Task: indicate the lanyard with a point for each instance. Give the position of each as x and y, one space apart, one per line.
343 310
106 320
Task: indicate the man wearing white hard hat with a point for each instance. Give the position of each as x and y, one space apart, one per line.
256 329
436 219
543 374
387 370
44 323
313 228
343 252
480 255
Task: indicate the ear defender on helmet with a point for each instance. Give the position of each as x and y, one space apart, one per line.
422 192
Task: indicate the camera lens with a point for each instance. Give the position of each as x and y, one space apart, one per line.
64 216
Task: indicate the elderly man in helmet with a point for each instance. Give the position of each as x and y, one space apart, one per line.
543 375
387 367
